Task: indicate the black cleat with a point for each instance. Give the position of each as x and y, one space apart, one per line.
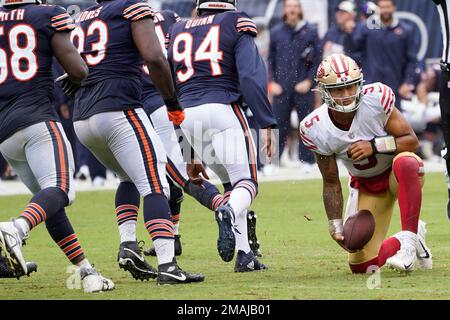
251 229
171 273
178 248
247 262
130 259
227 240
7 272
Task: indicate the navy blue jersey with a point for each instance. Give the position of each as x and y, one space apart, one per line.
215 60
103 36
150 95
26 79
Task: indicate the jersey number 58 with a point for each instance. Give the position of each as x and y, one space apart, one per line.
19 53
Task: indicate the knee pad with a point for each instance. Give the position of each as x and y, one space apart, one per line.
405 166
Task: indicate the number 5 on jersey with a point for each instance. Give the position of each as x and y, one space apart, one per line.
207 51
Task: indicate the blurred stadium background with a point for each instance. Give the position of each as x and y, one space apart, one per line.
320 12
421 15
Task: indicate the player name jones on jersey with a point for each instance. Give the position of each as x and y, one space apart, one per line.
199 22
17 14
87 15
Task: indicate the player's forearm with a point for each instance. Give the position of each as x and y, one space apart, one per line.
407 143
161 76
333 200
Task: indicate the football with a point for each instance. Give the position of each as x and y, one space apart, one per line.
358 230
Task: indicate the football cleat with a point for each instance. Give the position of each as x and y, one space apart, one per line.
227 240
171 273
247 262
424 255
405 258
93 281
178 248
130 259
11 245
7 272
251 229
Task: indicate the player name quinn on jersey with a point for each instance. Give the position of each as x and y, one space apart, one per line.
199 22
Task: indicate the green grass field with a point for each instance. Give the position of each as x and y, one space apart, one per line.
304 262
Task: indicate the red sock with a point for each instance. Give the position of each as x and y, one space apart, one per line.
362 267
388 249
407 172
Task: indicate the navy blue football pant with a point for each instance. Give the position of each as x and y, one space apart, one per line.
282 107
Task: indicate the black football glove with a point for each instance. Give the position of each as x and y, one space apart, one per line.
68 87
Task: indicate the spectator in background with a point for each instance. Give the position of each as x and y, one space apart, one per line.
336 37
428 110
293 54
367 10
392 51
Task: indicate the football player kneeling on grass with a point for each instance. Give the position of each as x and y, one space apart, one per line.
361 126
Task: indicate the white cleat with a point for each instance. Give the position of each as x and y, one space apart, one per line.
405 258
11 245
424 255
93 281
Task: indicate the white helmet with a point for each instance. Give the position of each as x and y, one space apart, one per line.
338 71
6 3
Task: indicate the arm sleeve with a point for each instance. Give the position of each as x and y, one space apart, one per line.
60 21
253 81
136 10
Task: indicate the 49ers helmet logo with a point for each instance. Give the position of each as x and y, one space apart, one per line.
320 71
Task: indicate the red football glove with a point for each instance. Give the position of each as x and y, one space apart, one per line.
177 117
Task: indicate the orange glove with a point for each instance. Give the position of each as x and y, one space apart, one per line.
177 117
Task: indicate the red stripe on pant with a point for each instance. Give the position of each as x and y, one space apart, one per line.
248 141
147 152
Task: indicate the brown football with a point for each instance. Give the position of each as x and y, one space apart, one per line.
358 230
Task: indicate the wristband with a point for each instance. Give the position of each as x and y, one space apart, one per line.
385 144
336 226
173 105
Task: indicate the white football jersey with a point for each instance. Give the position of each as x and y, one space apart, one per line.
320 135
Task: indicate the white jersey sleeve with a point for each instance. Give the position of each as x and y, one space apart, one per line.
312 133
380 99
